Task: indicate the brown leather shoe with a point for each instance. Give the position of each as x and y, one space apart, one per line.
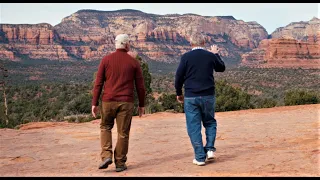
105 163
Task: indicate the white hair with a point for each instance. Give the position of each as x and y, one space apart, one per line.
197 39
121 40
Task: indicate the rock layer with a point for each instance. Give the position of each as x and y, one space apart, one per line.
284 53
296 45
89 35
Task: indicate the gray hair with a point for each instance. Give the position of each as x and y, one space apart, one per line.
121 40
197 39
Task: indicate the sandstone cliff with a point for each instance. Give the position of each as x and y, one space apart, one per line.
298 30
296 45
33 41
89 35
6 53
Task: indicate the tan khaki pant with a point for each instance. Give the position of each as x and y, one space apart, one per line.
122 112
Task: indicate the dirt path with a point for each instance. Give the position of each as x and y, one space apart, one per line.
281 141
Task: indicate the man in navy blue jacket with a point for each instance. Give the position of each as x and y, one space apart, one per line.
195 71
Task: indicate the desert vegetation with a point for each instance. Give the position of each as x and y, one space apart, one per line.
52 91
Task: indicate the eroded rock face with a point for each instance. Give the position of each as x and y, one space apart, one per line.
29 34
298 30
296 45
5 53
89 35
285 53
33 41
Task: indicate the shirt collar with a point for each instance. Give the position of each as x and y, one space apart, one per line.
122 50
198 47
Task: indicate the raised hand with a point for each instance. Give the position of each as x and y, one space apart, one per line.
214 49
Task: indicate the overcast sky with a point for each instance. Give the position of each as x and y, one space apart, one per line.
269 15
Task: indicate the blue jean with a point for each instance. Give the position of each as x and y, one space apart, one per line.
197 110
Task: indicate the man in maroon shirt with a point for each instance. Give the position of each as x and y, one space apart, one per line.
117 74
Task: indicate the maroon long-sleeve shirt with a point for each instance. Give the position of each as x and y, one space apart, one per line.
117 73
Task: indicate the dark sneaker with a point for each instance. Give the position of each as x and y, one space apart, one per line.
121 168
105 163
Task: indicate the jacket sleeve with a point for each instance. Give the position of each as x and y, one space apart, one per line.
98 85
219 65
139 82
179 77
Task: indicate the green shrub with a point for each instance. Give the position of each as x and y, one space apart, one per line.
169 102
147 82
155 107
264 102
229 98
79 118
299 97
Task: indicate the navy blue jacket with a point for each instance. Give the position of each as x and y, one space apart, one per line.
195 71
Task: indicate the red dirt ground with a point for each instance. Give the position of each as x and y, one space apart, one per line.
282 141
